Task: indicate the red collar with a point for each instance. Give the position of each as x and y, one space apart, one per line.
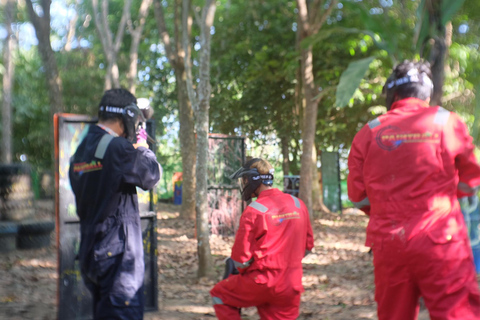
409 102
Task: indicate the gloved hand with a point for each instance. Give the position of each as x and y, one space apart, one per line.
142 136
229 268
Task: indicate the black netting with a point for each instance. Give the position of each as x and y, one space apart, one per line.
225 154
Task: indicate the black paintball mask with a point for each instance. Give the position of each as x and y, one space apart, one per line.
251 179
131 116
392 84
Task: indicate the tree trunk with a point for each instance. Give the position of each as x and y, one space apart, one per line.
8 79
309 23
439 51
175 55
54 82
285 155
308 130
42 31
187 146
316 190
205 263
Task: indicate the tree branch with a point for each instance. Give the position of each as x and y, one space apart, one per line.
98 24
314 9
122 24
33 15
316 25
71 29
162 29
105 26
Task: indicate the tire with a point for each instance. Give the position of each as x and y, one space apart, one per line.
33 241
35 226
34 234
8 228
8 235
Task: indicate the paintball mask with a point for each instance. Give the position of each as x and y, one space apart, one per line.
251 179
393 83
134 117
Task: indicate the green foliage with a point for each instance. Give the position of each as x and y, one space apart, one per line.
449 8
31 121
350 80
82 81
255 73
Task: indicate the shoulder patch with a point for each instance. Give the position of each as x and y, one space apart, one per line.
374 123
441 117
297 202
103 145
260 207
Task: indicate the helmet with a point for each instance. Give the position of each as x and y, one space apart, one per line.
131 116
252 178
409 79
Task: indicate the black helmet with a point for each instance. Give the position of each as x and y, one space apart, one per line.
252 178
409 79
131 116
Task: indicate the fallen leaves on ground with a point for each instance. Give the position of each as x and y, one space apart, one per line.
338 275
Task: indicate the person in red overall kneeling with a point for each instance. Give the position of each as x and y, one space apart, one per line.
406 168
273 237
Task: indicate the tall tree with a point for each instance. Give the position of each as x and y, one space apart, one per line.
9 48
201 105
311 19
111 47
40 18
176 57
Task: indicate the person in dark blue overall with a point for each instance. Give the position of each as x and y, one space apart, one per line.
104 173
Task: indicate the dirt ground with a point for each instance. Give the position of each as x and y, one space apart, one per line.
338 276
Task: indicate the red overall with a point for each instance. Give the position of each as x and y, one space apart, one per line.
405 167
272 239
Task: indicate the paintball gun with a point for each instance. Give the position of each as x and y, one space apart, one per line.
147 112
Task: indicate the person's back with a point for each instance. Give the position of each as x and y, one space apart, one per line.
405 169
273 237
104 173
100 185
409 168
280 222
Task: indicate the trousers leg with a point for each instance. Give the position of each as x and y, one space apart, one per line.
237 291
396 293
288 310
447 279
224 312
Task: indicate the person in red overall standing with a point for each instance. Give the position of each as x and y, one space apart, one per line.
406 168
273 237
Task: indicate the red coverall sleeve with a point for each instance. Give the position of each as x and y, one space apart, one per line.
459 143
242 251
357 192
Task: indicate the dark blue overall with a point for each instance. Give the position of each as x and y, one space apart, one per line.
111 252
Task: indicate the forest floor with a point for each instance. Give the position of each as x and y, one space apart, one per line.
338 276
